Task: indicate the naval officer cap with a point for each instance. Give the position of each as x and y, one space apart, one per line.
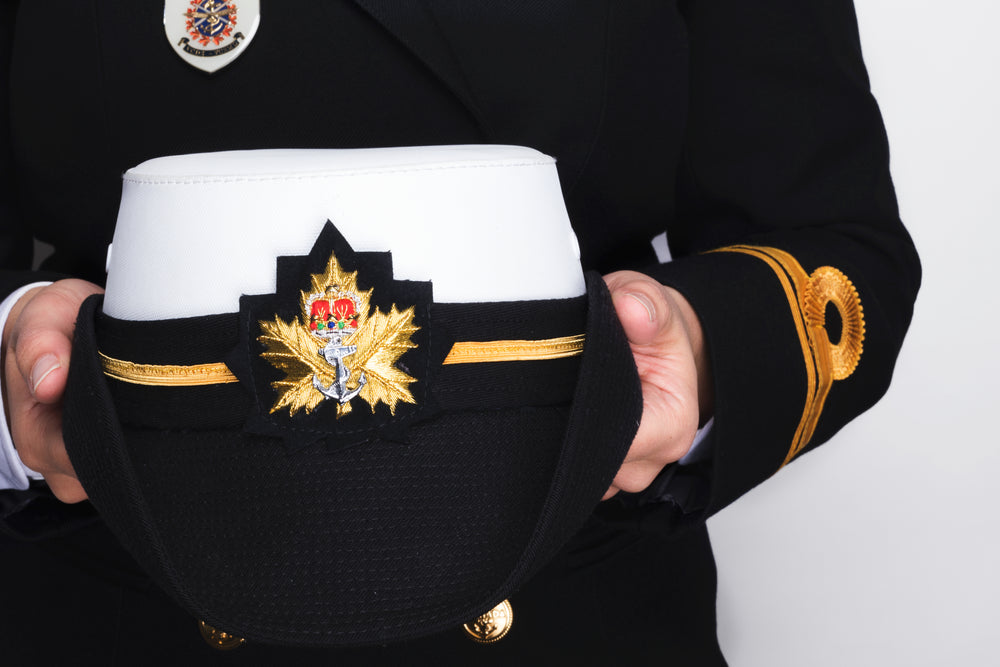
346 397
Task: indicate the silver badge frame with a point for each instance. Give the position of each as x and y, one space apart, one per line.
217 54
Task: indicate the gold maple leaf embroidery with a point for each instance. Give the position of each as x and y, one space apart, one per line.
381 339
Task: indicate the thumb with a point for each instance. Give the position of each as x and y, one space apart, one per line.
41 337
642 307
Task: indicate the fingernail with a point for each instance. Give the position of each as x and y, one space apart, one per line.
45 365
645 302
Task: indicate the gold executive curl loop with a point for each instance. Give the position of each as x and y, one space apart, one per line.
829 285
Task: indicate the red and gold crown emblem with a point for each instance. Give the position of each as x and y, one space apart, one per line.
329 315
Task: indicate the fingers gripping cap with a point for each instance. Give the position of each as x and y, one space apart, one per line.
341 398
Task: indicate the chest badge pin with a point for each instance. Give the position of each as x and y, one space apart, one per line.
210 34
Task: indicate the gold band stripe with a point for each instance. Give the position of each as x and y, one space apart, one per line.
808 296
470 352
166 375
515 350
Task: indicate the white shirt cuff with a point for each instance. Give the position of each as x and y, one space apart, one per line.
13 473
698 452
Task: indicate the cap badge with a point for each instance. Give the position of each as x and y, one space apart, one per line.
339 348
210 34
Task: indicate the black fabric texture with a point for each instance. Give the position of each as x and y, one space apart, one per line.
183 341
90 423
364 542
36 514
15 239
511 320
575 611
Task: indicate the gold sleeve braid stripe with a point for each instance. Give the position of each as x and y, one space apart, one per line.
808 296
470 352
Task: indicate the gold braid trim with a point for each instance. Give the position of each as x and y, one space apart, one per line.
808 297
515 350
165 375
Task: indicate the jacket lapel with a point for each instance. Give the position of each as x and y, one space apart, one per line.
413 24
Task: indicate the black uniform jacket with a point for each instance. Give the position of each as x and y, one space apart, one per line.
745 130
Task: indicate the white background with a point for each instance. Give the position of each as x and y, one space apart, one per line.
883 547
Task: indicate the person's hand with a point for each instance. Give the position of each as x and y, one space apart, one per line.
36 348
666 340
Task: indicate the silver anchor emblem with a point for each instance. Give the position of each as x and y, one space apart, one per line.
334 353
